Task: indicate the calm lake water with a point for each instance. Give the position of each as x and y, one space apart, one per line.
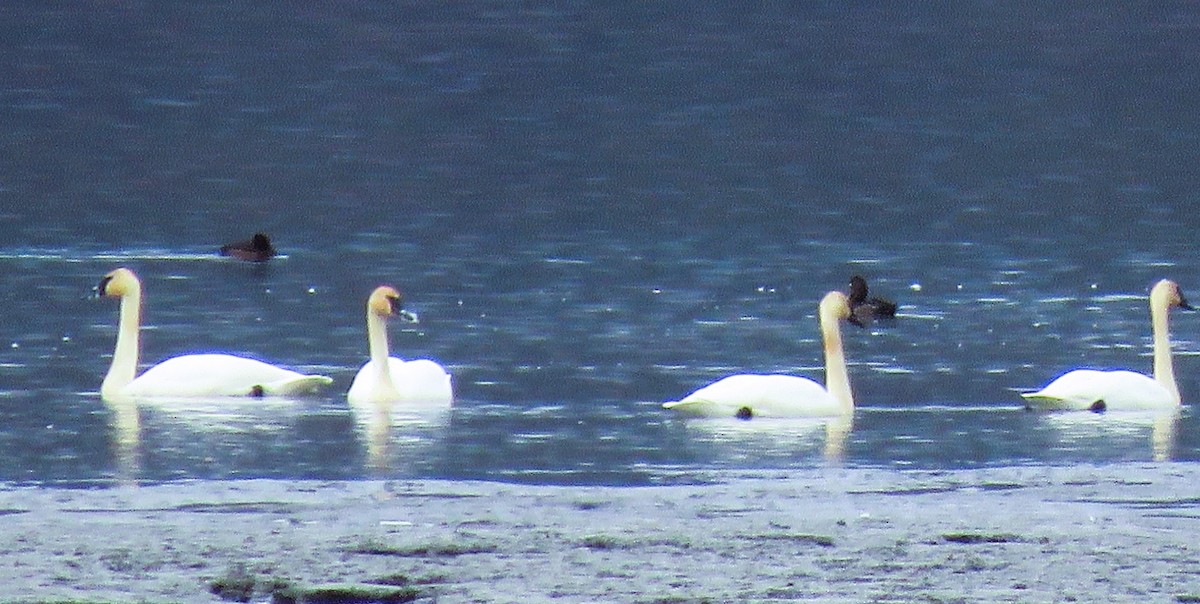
595 208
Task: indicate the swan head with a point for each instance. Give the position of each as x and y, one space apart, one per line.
1166 293
118 283
386 301
835 306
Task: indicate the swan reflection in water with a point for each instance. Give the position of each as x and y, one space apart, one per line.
399 406
1075 430
126 430
207 436
395 436
777 437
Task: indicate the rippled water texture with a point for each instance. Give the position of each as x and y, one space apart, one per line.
594 208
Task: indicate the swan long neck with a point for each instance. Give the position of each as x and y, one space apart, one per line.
125 357
837 379
378 345
1164 368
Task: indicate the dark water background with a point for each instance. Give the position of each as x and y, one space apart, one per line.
595 207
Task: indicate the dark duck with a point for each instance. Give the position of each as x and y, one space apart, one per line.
864 310
255 249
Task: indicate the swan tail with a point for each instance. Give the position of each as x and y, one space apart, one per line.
680 404
698 407
1039 400
1036 400
307 384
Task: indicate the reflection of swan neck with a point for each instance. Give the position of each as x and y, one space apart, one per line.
1163 434
836 432
837 380
379 425
1164 370
126 428
125 357
377 341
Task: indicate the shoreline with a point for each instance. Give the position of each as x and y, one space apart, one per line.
1118 532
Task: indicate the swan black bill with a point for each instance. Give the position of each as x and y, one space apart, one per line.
101 288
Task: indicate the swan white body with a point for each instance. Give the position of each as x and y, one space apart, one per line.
386 379
755 395
1090 389
188 376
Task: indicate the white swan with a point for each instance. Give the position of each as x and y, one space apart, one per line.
751 395
385 379
1089 389
193 375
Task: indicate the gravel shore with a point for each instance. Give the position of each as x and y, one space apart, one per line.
1112 533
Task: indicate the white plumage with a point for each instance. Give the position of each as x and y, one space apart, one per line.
756 395
1096 390
187 376
387 379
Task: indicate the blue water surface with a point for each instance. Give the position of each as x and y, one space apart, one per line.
595 208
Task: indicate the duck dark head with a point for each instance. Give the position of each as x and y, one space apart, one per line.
864 309
858 290
255 249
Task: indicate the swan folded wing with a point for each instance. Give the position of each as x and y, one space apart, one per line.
422 380
417 381
1087 388
200 375
1130 390
761 396
1079 389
